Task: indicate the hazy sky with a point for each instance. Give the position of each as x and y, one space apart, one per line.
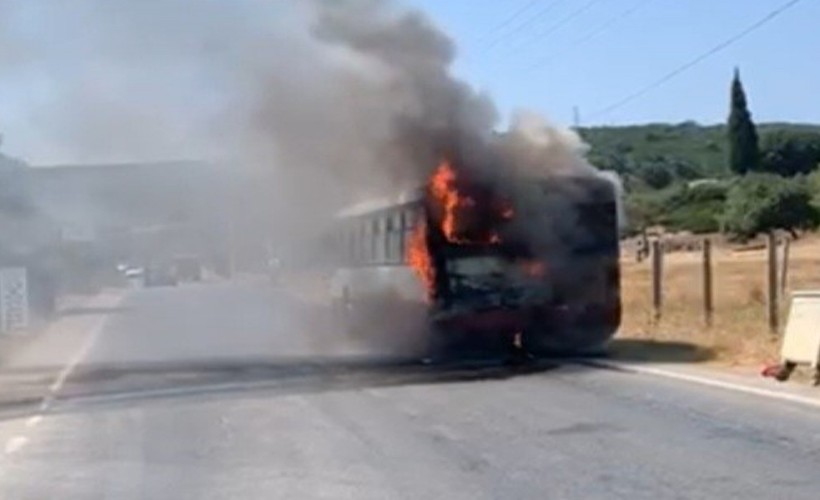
62 82
591 54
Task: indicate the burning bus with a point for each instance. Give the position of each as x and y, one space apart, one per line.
483 263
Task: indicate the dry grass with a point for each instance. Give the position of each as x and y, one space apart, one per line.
739 334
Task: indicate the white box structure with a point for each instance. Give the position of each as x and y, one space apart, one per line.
801 342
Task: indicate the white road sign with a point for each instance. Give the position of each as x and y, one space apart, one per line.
13 299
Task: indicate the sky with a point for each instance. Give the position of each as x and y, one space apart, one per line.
65 76
556 55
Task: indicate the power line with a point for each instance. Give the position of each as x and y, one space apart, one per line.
500 27
591 35
560 24
714 50
526 24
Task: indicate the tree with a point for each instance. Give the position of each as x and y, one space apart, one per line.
760 203
642 210
694 208
744 155
656 175
789 153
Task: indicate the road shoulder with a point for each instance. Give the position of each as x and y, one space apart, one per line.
743 381
39 362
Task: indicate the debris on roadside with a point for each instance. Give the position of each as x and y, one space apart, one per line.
782 372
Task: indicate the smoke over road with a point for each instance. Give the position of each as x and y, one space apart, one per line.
323 101
353 95
312 105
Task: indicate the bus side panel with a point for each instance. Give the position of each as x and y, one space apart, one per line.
384 307
588 313
367 282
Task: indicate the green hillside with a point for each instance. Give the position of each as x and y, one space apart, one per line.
697 150
659 164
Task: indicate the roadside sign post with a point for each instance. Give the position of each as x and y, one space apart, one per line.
657 276
708 299
14 313
771 281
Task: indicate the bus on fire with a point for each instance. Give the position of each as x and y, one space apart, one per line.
535 267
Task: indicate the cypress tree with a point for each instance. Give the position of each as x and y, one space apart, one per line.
744 153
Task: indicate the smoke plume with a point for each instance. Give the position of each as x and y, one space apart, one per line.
324 101
372 105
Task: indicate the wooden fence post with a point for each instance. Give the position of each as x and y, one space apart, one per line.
708 302
771 275
784 267
657 276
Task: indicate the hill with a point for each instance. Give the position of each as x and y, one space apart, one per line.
690 149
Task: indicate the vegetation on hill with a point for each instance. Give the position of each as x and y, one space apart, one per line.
678 176
691 150
739 178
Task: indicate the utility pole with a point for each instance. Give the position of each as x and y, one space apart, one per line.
576 118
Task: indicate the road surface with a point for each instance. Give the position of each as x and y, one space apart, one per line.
203 392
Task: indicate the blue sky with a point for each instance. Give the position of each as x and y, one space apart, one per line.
544 61
117 80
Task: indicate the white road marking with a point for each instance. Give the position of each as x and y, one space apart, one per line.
137 394
78 357
15 443
46 403
721 384
33 421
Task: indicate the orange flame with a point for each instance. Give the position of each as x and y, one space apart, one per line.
418 257
444 192
450 205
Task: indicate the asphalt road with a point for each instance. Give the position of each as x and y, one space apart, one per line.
205 391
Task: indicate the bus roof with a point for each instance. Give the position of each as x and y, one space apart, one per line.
380 204
601 184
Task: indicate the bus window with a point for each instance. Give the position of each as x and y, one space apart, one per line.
409 219
363 239
398 238
408 225
394 238
389 237
367 241
350 244
598 232
379 236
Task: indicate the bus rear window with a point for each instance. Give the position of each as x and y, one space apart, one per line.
598 228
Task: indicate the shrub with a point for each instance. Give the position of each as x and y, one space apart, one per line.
696 209
759 203
656 175
790 153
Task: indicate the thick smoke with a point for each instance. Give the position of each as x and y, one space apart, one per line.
375 106
372 107
537 148
325 101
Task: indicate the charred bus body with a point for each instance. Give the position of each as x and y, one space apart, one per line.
538 259
550 272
